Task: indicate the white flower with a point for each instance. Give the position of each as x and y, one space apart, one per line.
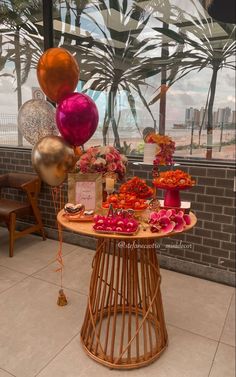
100 161
124 158
104 150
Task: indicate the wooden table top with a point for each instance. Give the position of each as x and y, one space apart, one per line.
86 228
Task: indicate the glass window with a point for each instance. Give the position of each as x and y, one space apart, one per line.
21 44
160 63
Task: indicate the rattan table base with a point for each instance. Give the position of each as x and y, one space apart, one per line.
124 326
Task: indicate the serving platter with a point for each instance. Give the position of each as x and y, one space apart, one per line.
118 233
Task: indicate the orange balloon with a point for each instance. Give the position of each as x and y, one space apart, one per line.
58 73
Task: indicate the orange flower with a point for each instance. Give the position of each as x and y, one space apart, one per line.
138 187
174 179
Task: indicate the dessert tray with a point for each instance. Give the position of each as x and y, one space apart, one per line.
81 218
116 221
77 213
113 232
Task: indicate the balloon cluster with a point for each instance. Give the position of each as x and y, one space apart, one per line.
76 117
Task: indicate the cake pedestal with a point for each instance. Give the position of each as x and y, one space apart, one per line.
172 195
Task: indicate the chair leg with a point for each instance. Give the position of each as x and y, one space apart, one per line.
12 227
38 218
43 234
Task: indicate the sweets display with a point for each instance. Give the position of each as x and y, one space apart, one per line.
76 212
119 224
137 187
125 201
133 195
174 179
74 208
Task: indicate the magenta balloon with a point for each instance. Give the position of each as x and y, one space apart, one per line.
77 118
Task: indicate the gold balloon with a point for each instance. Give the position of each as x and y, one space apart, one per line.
52 158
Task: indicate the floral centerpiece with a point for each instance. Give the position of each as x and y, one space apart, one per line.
174 179
125 201
138 187
165 150
168 221
105 160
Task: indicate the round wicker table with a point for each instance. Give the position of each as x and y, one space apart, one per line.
124 325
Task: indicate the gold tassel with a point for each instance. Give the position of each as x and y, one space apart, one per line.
62 300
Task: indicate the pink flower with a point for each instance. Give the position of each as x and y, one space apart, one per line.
109 157
168 221
166 224
163 212
112 166
187 219
100 161
92 151
155 228
154 217
179 223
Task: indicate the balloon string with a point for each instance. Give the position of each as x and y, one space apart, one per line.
58 204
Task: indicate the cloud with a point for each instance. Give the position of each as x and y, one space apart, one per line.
231 99
192 91
229 81
6 85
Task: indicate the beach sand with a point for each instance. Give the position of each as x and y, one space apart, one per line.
181 137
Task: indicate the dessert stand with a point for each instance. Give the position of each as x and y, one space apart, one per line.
172 195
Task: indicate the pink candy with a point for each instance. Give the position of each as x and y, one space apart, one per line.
115 224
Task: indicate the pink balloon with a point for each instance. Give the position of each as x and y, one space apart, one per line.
77 118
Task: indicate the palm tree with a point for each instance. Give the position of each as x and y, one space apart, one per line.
114 61
19 33
201 50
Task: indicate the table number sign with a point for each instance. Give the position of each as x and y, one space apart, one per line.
85 189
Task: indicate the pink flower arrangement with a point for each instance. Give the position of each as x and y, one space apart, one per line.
168 221
102 160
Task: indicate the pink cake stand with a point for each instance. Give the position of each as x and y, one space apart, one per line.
172 195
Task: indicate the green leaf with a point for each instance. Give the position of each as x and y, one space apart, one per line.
171 34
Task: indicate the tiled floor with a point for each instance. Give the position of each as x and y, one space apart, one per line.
38 338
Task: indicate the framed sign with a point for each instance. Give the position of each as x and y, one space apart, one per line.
85 189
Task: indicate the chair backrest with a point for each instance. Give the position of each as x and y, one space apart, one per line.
19 180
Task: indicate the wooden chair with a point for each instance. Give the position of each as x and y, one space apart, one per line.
10 210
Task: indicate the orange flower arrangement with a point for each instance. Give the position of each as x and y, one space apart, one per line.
138 187
174 179
166 150
125 201
158 139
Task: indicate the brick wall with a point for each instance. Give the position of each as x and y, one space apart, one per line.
207 251
19 161
209 248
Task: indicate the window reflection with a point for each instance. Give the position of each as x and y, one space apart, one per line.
127 50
